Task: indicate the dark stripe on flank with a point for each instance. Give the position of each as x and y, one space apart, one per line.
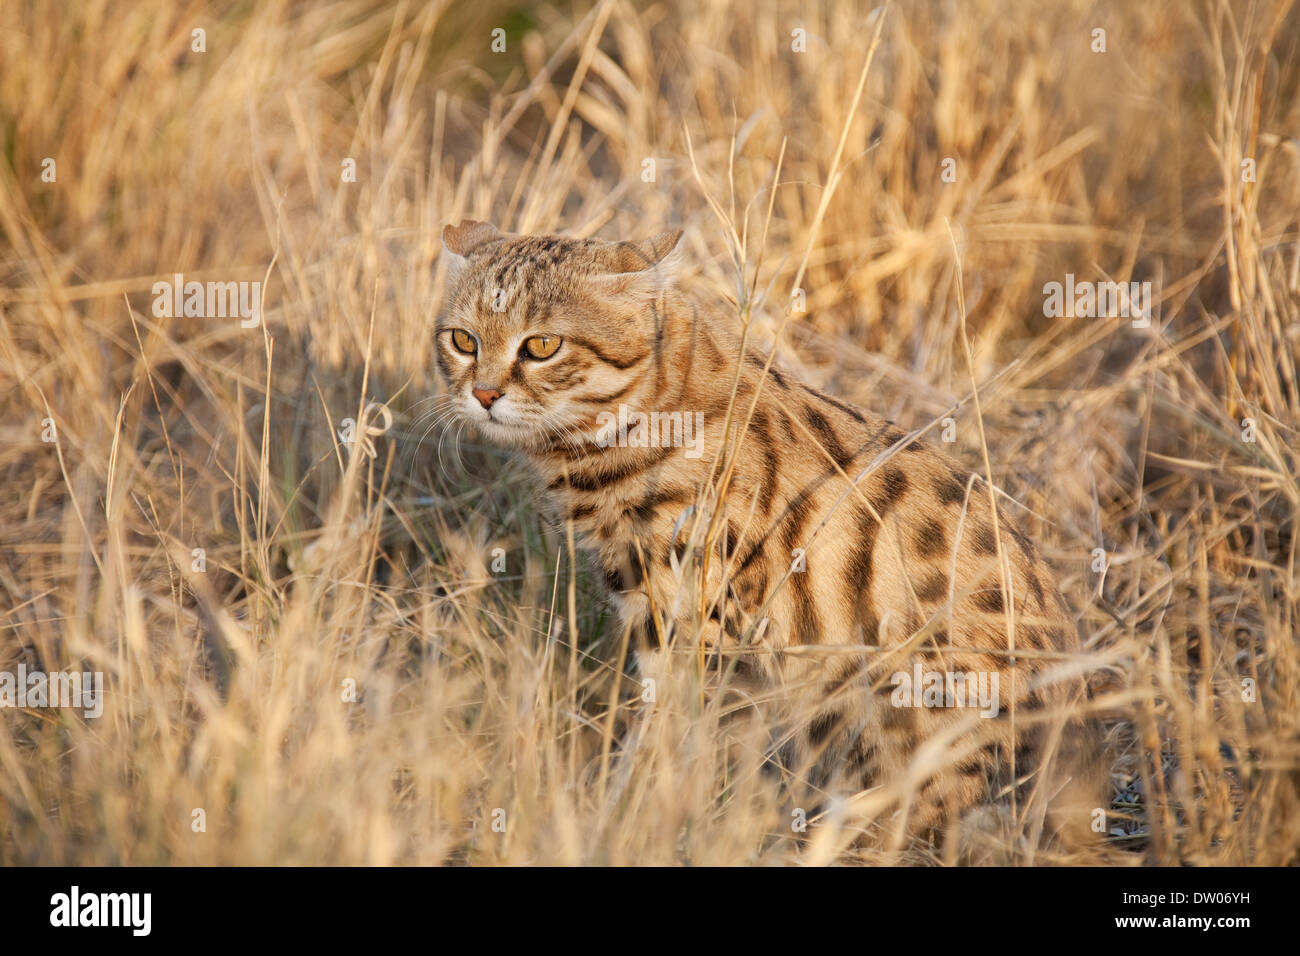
930 540
760 429
774 373
950 490
794 516
822 726
807 626
1022 539
857 579
845 407
826 435
933 587
788 428
893 485
1036 588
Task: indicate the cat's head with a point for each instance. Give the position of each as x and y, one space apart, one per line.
540 334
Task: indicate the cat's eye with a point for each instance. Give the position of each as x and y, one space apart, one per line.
542 346
463 341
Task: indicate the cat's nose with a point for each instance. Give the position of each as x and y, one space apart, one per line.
486 396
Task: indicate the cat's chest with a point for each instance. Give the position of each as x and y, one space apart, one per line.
600 520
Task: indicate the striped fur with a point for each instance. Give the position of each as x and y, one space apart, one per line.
900 545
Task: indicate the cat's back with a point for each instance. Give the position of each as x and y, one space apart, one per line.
879 535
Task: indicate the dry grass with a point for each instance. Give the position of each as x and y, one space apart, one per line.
481 691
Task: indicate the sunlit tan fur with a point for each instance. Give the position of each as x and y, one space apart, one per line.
903 558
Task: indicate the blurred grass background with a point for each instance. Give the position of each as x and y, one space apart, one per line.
481 691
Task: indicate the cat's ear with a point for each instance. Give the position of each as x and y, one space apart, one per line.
643 268
662 251
459 241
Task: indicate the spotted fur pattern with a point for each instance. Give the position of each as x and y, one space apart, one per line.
815 548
